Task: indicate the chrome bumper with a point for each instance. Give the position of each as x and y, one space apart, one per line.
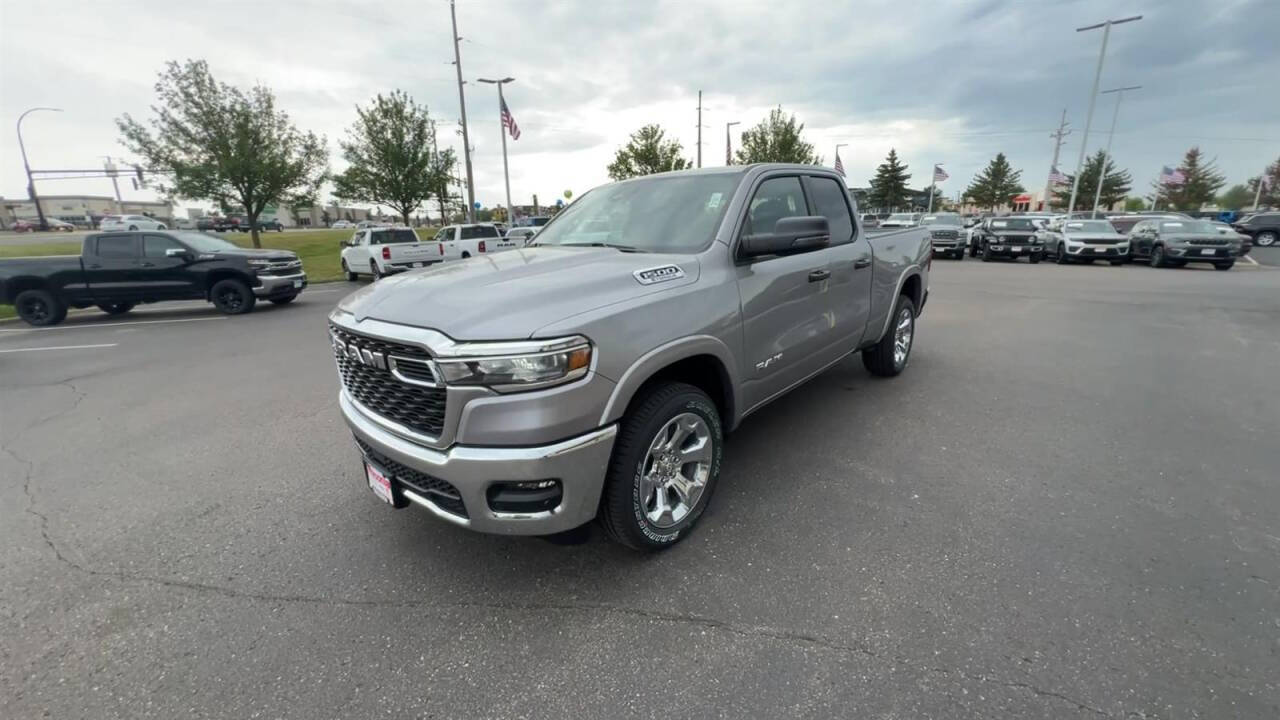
579 464
269 285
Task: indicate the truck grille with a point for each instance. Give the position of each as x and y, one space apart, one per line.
279 268
438 491
945 234
418 408
1212 242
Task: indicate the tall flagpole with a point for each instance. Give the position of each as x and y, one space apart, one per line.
502 129
933 180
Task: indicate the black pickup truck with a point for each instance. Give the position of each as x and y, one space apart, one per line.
116 271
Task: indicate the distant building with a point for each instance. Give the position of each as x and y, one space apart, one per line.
83 210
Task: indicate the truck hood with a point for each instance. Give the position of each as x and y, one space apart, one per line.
510 295
258 253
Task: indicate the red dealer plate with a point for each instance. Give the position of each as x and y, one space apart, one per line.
380 483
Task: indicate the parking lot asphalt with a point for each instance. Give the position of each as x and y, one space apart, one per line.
1068 506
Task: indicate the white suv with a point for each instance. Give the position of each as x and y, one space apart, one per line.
130 222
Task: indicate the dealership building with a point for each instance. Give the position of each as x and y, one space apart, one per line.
80 209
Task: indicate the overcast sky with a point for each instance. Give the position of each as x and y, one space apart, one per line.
941 82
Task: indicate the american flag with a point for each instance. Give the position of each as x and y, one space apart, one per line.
1056 177
1170 176
939 174
839 165
509 121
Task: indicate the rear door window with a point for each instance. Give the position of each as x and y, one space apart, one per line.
117 246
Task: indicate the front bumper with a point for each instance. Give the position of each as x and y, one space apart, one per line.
1014 251
1193 253
1114 252
269 286
579 463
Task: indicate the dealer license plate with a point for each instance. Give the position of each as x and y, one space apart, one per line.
417 264
1207 251
380 483
297 283
1017 248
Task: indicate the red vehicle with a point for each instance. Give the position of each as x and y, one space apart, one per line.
54 224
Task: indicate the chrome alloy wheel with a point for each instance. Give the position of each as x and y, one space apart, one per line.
902 333
675 470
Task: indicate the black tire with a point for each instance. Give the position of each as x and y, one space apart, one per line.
985 254
960 254
232 297
973 250
1115 263
161 227
1157 256
1061 255
622 507
1224 265
879 359
1265 238
466 255
1086 261
119 308
133 228
1034 258
285 300
40 308
351 277
373 268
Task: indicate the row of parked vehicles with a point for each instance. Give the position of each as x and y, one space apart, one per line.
381 251
1160 239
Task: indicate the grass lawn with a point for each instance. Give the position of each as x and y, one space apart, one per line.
318 250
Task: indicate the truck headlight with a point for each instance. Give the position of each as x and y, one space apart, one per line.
516 366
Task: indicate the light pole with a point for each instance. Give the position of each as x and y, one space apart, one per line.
462 107
1093 97
31 184
503 114
1102 171
728 144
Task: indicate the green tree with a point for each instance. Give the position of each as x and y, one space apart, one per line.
776 140
1238 197
1200 185
1134 204
1116 184
392 163
996 184
1271 193
217 142
647 152
889 186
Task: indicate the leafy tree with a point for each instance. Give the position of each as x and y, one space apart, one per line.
996 184
647 152
1201 182
1134 204
1116 184
889 186
1271 193
389 149
776 140
1236 198
218 142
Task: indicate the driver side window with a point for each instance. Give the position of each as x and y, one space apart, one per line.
776 198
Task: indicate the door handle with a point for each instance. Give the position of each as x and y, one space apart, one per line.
861 263
146 264
819 275
95 266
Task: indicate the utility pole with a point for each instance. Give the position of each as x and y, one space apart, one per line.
503 114
728 143
111 169
31 184
1257 196
1057 136
444 183
699 128
1093 97
462 106
1102 171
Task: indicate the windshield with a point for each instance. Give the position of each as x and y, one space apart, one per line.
205 243
1013 224
1098 226
941 220
1187 226
661 214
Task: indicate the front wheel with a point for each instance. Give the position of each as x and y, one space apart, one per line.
1224 265
39 308
285 300
890 356
1157 256
351 277
1266 239
1033 258
986 254
1061 256
232 297
960 254
1117 263
665 463
133 228
119 308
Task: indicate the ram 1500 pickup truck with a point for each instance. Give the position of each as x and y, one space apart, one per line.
117 270
595 372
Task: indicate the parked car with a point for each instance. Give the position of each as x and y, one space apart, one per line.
901 220
342 225
533 221
1008 237
944 234
1124 224
54 224
1174 243
263 225
117 270
870 220
1263 228
386 251
464 241
707 295
184 224
130 222
522 235
1083 241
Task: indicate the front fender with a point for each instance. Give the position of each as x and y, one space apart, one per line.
665 355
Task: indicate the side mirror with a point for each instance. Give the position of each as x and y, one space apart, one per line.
789 234
178 253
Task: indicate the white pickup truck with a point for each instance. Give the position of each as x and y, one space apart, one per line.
464 241
385 251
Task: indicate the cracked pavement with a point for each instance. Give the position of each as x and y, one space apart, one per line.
1067 507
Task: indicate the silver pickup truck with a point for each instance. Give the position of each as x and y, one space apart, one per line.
594 373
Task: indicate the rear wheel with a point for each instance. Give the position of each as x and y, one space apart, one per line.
1266 238
466 255
664 467
119 308
373 268
232 297
161 227
39 308
133 228
890 356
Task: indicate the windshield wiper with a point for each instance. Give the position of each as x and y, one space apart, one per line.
622 248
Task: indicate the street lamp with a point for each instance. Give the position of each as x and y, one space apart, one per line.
31 184
728 144
1093 97
1102 171
503 113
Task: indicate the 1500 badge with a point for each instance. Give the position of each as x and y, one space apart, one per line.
662 273
768 361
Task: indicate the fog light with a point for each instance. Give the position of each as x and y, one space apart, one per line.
524 496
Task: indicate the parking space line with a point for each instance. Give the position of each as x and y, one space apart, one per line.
60 347
103 325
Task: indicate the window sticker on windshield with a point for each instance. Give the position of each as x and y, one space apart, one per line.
1173 224
714 201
